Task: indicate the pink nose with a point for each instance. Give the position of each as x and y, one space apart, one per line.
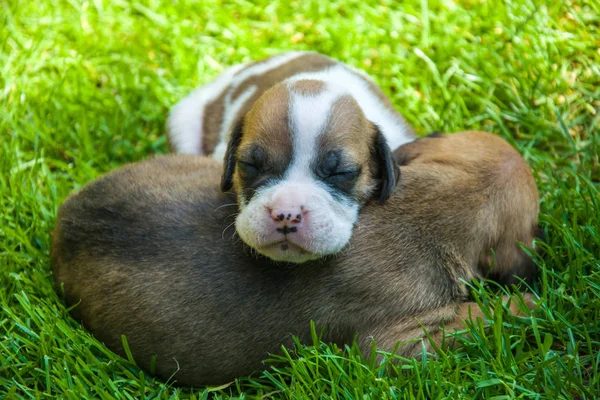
288 215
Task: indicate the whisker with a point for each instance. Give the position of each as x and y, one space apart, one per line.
232 215
224 230
225 205
363 226
239 239
233 235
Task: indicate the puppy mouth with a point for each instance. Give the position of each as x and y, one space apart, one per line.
286 245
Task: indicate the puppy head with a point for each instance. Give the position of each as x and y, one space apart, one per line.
303 161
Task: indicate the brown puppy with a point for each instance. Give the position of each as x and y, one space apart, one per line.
147 253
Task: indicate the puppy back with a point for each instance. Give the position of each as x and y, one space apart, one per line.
105 219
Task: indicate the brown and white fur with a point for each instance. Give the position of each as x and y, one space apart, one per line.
144 252
306 142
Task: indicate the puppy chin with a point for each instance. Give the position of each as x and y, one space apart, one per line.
330 225
286 251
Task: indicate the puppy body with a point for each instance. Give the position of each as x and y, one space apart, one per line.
147 252
306 143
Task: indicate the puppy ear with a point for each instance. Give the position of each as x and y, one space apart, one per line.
411 150
231 156
388 172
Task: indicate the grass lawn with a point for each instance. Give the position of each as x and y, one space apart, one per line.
85 86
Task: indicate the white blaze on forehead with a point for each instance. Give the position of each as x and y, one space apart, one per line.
357 86
309 115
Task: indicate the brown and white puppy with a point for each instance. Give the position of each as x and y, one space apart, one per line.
142 253
309 144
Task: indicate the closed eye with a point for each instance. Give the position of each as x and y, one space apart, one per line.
249 165
344 179
347 173
249 170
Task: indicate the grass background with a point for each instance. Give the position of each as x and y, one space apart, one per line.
85 87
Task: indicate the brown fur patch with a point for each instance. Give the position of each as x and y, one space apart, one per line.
267 125
308 87
212 123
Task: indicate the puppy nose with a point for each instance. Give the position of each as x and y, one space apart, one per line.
288 217
287 208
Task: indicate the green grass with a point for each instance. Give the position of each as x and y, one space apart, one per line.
85 87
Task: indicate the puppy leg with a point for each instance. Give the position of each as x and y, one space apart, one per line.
409 334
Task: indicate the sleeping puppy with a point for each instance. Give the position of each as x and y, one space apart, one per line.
142 252
308 145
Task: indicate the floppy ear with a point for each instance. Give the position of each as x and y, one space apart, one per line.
231 156
406 153
388 172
